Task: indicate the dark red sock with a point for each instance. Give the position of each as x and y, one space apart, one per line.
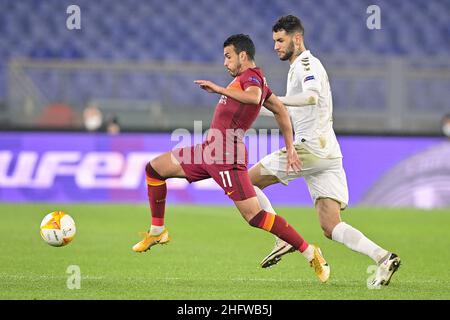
157 191
279 227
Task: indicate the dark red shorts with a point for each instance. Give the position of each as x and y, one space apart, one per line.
233 178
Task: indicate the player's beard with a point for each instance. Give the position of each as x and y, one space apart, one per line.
237 70
289 52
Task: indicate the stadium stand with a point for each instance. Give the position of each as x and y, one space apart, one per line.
185 31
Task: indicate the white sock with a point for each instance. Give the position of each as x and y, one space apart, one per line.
309 253
264 201
156 230
357 241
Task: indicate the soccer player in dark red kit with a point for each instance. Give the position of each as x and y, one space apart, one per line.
223 156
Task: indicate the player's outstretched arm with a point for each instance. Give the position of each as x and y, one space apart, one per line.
284 122
252 95
305 98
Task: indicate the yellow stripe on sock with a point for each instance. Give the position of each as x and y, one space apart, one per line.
154 182
268 222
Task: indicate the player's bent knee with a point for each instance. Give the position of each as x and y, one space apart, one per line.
151 171
166 166
249 208
157 164
248 216
322 205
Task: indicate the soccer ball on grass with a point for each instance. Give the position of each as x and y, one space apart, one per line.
58 229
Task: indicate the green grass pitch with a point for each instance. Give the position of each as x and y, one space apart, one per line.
214 254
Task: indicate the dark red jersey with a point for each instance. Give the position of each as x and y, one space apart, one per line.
233 118
225 160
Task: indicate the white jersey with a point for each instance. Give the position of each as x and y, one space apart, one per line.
313 125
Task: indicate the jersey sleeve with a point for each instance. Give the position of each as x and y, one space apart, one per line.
308 75
250 79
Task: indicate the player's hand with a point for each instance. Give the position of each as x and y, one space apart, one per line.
209 86
293 161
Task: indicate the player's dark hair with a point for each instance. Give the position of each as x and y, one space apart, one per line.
241 42
290 24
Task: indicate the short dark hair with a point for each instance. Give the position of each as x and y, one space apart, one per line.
290 24
241 42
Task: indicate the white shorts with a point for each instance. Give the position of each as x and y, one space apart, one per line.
325 177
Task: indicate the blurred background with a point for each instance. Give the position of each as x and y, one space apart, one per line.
129 71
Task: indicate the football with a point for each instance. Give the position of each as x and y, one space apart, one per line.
58 229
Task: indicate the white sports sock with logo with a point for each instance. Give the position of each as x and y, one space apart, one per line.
357 241
156 230
309 253
264 202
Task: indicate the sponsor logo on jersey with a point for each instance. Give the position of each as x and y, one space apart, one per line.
223 99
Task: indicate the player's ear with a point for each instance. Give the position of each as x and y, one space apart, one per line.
243 55
298 38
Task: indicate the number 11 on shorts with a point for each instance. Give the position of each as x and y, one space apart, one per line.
227 174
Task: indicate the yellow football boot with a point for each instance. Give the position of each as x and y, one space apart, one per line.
150 240
321 267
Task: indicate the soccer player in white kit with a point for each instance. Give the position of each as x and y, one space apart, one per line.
309 101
